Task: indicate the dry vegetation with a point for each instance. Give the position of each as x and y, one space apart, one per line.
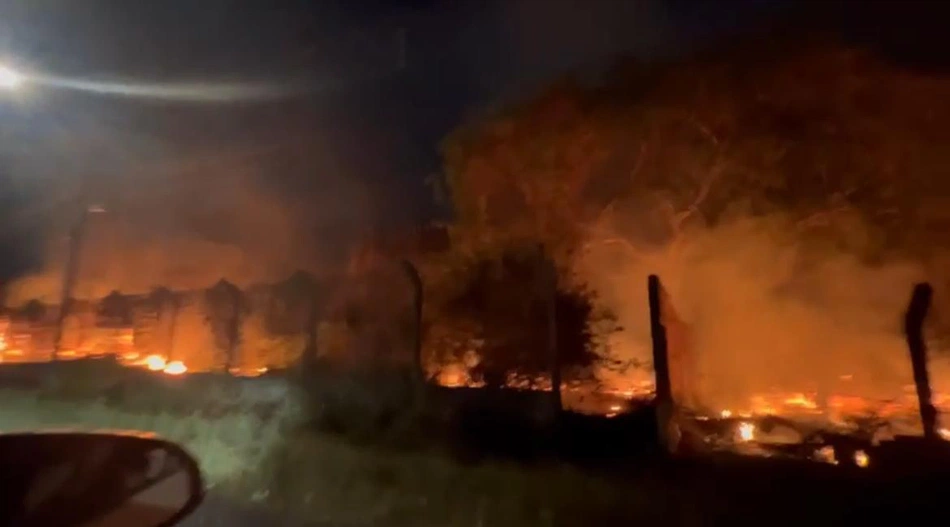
323 477
254 453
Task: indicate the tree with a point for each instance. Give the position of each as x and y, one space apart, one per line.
502 308
164 303
33 311
846 147
814 130
195 343
522 176
115 310
294 309
262 348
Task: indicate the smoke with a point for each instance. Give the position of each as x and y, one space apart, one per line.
769 309
185 238
189 220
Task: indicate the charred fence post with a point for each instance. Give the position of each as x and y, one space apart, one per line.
914 332
227 305
417 297
175 303
550 290
665 406
70 273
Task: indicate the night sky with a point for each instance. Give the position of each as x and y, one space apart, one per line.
376 85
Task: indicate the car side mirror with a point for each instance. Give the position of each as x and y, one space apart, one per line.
95 480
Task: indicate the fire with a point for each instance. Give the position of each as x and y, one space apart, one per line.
175 367
861 458
746 431
801 400
827 454
452 379
248 372
155 362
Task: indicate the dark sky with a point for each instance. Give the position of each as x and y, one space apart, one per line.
377 84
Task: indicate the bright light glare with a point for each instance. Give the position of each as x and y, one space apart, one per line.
10 79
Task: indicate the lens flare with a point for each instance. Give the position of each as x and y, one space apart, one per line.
10 79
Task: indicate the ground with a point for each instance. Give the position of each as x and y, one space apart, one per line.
265 468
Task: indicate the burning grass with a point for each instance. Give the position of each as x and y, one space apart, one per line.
272 463
268 460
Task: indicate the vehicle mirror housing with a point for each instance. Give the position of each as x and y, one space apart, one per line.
95 480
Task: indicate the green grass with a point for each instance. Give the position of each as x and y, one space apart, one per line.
228 447
334 481
272 462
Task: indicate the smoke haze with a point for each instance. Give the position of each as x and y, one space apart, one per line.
768 310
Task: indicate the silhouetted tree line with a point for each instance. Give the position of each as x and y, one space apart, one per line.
221 327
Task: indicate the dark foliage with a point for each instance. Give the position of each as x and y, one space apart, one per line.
506 300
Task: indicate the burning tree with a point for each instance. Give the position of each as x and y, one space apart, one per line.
840 146
501 307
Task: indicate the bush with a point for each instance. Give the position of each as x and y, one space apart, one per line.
498 305
363 402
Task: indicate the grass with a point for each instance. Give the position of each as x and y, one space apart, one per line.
269 459
228 447
274 461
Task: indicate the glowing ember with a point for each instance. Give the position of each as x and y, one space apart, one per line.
175 367
746 431
802 401
247 372
944 433
726 414
827 455
861 458
452 378
155 362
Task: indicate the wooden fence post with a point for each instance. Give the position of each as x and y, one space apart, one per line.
549 281
415 280
914 332
667 429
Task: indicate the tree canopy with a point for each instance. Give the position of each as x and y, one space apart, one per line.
848 148
815 132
